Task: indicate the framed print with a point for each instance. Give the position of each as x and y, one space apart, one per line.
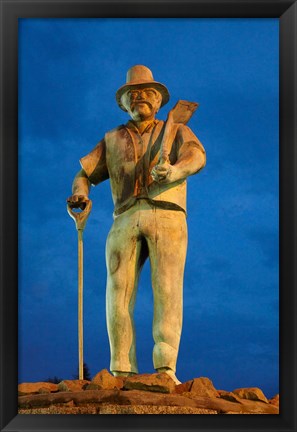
82 86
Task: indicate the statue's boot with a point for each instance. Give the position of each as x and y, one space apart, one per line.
169 372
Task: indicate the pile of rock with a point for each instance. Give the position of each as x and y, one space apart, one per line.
140 394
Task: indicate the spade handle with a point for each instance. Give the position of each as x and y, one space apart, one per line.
80 218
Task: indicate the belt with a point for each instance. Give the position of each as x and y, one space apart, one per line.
165 205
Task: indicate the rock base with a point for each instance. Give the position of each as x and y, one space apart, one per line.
142 394
117 409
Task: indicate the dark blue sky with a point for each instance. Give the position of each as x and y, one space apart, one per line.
69 71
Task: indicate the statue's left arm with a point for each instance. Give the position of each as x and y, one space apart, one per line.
191 158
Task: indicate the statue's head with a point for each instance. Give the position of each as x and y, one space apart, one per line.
141 96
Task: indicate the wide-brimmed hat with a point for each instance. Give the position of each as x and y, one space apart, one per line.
141 76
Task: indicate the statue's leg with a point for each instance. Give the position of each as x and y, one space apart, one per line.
167 251
124 262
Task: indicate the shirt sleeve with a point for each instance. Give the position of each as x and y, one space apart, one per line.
186 140
94 164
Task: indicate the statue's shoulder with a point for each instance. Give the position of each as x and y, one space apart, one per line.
185 133
183 127
114 131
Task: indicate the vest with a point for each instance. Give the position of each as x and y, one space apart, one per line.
121 163
115 157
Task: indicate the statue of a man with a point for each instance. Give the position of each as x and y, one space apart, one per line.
149 219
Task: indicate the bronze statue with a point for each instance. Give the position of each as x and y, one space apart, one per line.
147 161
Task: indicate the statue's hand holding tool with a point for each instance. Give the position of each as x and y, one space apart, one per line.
77 201
163 173
83 203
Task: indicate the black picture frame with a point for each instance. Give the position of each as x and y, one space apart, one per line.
11 10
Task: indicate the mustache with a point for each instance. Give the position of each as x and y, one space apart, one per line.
141 102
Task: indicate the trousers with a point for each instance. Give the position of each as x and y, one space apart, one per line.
142 232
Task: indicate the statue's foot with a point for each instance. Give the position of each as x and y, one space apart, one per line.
122 374
169 372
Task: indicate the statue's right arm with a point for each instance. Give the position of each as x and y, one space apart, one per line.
80 190
94 171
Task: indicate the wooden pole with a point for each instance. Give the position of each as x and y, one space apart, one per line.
80 306
80 220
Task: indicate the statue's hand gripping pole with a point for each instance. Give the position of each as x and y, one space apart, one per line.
80 219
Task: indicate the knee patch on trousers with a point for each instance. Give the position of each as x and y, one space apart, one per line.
114 262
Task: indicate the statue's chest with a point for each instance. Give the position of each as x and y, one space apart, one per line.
126 148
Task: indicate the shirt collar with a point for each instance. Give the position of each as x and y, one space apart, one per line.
132 126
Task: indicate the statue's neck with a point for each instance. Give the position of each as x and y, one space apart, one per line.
143 124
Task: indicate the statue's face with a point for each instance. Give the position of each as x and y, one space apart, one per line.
142 103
